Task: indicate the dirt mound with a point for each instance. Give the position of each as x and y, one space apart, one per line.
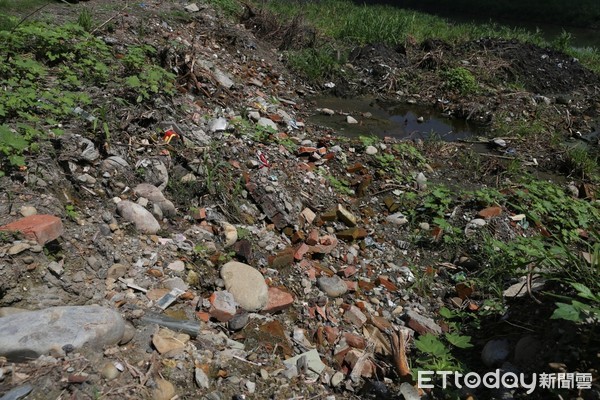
540 70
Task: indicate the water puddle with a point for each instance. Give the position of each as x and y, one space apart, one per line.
401 121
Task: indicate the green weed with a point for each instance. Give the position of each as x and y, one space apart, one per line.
580 162
84 19
460 80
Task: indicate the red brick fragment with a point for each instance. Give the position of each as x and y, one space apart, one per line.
313 237
490 212
301 251
279 299
40 227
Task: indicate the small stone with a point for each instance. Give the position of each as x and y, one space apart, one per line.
28 260
251 386
222 306
421 324
246 284
169 343
351 120
117 271
109 371
230 234
177 266
239 321
397 219
308 215
143 220
499 142
201 378
192 8
333 286
27 211
175 283
254 115
129 333
336 379
217 125
371 150
420 119
526 351
56 268
495 352
327 111
18 248
345 216
474 225
267 123
164 390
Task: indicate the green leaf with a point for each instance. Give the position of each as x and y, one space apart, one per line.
16 160
567 312
11 139
430 344
584 291
460 341
447 313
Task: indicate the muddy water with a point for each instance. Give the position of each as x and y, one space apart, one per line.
401 121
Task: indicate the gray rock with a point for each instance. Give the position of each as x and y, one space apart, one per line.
254 115
526 351
155 172
267 123
217 125
397 219
17 393
27 211
143 220
175 283
333 286
90 153
154 194
39 332
114 163
201 378
352 120
495 352
371 150
192 8
18 248
223 79
238 322
246 284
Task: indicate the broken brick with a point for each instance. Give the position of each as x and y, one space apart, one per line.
222 306
386 283
313 237
40 227
355 341
490 212
279 299
301 251
421 324
282 259
297 237
355 316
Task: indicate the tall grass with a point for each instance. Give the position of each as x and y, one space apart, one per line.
349 22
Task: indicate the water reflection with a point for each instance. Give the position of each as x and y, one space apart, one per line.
401 121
